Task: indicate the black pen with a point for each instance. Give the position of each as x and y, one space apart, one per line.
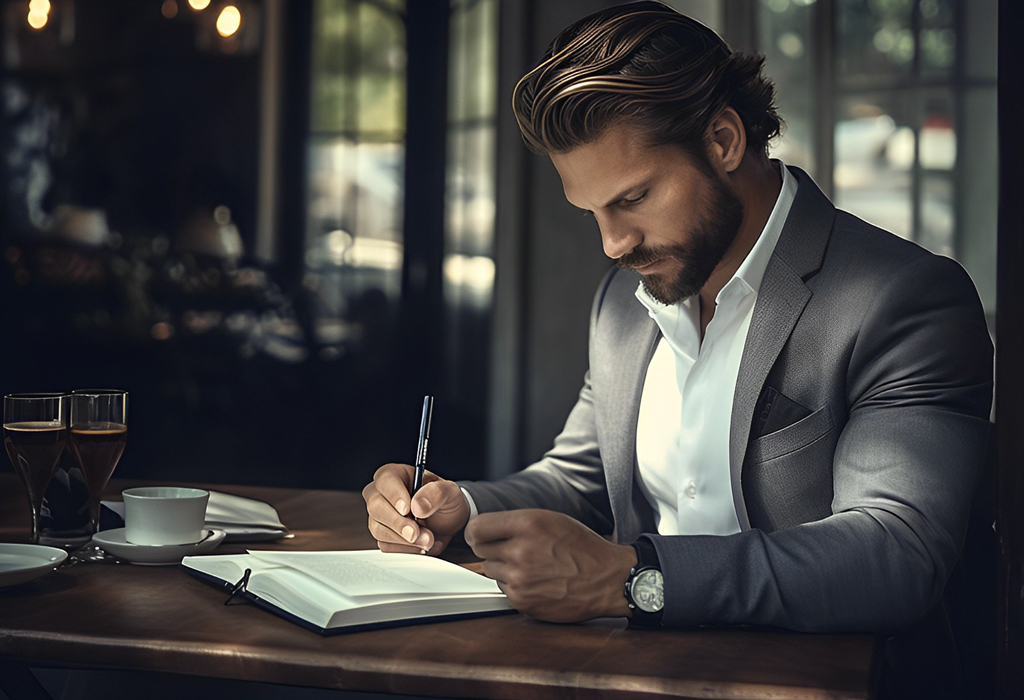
421 446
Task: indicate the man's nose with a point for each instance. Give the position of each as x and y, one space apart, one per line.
618 238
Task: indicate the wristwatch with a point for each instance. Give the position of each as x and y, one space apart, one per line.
645 587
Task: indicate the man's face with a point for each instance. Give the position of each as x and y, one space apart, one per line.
658 212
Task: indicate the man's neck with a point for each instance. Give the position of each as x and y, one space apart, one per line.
757 183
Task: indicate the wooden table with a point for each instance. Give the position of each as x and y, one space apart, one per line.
162 619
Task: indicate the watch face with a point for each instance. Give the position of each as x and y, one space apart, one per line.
648 590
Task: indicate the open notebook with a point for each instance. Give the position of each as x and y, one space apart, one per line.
333 592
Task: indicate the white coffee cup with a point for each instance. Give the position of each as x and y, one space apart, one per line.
164 514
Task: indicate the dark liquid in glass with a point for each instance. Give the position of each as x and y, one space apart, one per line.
34 448
65 518
98 447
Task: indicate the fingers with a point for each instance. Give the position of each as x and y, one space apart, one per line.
494 527
393 481
497 570
399 548
438 507
436 495
406 532
387 499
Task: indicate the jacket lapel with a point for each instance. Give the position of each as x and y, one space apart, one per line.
626 350
780 301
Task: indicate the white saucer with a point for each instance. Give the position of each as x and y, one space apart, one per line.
113 542
23 562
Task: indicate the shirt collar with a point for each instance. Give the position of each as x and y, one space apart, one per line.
751 270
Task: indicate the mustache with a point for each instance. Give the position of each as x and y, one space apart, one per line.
645 256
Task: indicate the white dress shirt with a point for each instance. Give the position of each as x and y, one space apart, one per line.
682 435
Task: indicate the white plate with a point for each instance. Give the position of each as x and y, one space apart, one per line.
113 542
23 562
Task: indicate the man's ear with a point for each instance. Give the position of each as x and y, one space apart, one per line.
727 140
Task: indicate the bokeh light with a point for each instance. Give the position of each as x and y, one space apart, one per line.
198 4
169 9
36 20
229 20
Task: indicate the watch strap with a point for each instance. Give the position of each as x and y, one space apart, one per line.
646 558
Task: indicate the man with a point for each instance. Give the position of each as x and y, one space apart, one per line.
786 408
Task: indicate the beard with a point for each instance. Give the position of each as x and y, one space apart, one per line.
705 247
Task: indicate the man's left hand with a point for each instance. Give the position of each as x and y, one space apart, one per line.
551 566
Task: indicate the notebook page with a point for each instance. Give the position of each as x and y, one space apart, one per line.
374 573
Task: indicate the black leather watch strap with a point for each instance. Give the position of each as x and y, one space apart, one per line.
647 558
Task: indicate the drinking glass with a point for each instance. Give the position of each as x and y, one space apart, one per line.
35 430
98 432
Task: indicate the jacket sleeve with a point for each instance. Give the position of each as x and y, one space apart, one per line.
569 478
918 389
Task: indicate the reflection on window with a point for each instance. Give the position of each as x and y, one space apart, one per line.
470 193
470 206
356 160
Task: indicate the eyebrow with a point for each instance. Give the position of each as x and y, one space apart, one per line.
642 185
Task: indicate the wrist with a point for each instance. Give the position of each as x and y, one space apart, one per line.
622 562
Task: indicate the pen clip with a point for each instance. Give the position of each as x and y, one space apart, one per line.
239 587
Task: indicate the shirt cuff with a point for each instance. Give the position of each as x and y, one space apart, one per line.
473 512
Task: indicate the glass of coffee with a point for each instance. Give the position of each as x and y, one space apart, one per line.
35 431
98 429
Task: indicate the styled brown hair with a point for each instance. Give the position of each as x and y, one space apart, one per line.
644 64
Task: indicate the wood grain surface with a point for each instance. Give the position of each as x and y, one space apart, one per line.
162 619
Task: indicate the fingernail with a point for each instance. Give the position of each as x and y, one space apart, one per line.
400 507
423 540
407 533
424 503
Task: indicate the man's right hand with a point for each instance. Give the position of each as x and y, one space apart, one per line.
424 523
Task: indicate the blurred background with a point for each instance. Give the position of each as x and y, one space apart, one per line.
279 223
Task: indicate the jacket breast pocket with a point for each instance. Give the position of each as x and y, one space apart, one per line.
787 475
793 437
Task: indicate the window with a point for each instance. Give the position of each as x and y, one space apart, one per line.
398 306
470 206
890 105
356 161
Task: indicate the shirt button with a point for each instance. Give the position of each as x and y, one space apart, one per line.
691 490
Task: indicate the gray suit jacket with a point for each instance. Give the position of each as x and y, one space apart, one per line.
858 428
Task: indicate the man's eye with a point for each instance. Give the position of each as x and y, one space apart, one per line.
634 200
